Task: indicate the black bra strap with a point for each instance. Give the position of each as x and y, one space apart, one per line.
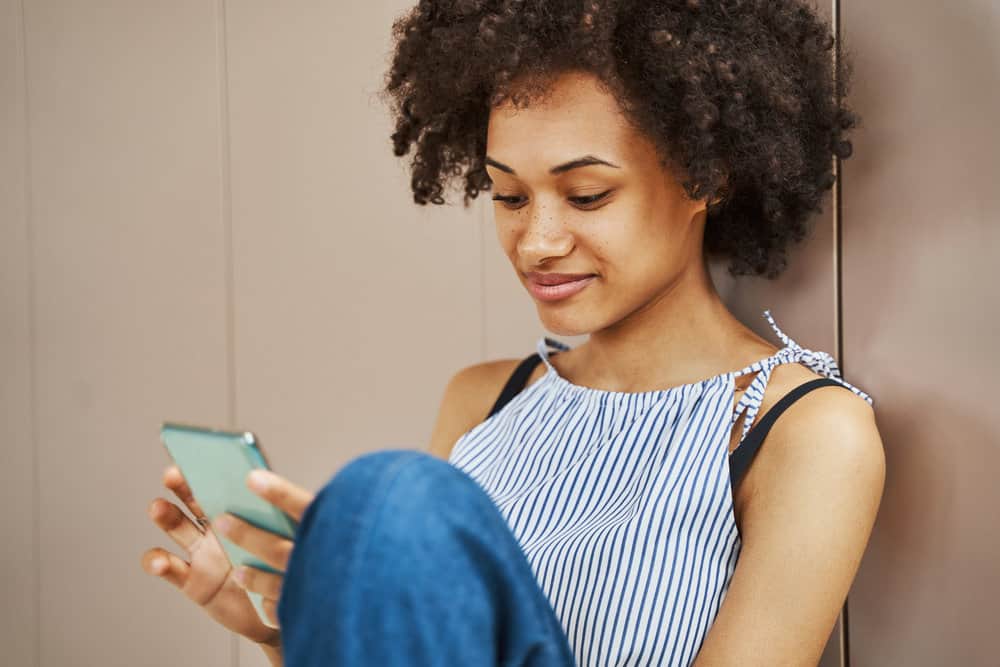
516 382
741 457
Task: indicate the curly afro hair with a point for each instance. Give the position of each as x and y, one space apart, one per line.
744 97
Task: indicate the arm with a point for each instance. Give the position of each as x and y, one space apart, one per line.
804 530
273 654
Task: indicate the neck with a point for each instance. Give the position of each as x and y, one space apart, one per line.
684 335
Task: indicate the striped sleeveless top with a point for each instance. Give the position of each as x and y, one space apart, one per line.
622 501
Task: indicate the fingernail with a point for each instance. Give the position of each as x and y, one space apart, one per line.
159 565
241 575
259 480
223 523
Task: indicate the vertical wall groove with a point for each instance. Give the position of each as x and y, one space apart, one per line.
483 219
838 300
32 350
226 207
838 340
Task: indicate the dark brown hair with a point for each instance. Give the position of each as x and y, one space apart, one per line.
742 96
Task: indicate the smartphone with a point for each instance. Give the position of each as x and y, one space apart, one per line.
215 464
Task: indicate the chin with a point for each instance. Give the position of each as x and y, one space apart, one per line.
565 324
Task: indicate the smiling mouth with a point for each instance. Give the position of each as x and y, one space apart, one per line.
560 290
556 278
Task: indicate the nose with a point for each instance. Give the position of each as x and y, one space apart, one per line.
544 235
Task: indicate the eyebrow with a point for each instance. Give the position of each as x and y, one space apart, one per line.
585 161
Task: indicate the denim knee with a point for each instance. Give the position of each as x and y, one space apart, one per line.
399 513
396 491
427 483
402 558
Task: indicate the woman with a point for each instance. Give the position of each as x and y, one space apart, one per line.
600 506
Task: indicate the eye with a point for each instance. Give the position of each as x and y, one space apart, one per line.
511 202
507 201
592 199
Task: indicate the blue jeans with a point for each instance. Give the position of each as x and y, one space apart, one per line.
403 559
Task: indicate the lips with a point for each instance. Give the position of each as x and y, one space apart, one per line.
556 278
559 290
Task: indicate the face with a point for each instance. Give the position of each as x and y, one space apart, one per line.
628 224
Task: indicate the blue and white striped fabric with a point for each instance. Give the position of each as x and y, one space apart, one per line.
621 502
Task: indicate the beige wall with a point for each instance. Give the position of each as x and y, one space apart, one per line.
202 221
923 325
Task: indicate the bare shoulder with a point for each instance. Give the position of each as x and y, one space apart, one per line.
822 411
831 428
467 399
827 439
823 428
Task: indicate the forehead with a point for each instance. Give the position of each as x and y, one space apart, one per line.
577 117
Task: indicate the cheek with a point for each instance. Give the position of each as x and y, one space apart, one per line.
506 238
637 256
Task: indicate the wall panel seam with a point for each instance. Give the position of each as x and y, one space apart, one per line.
838 298
481 234
22 50
225 181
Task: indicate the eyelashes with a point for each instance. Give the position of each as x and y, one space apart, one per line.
590 199
585 203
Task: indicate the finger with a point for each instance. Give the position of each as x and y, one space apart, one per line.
267 584
281 493
175 523
165 565
269 547
174 480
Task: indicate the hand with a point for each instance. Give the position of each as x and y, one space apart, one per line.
207 578
272 549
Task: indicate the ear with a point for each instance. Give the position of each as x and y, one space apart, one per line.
701 207
707 203
718 198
